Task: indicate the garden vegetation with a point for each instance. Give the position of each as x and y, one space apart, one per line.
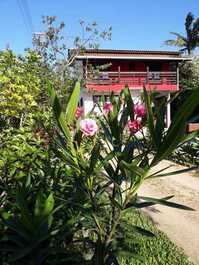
69 183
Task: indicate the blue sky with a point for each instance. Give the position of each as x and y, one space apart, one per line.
137 24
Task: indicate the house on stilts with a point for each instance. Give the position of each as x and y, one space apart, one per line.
105 71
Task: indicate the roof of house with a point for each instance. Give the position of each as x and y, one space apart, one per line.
131 54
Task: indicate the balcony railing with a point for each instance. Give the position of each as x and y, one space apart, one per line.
133 78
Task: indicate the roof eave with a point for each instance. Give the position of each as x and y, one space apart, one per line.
80 57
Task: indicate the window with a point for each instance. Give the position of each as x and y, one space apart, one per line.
96 99
132 66
100 98
155 67
172 66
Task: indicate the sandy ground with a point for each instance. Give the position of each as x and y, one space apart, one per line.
182 227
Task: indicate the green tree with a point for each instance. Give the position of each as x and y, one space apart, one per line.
189 74
190 41
54 48
20 85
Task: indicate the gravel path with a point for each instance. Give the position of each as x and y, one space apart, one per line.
182 227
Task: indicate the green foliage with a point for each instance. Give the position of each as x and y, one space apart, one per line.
189 74
65 195
26 239
54 48
53 45
187 154
109 175
189 81
23 153
20 84
176 132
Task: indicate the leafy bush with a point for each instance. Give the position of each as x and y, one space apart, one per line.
20 85
26 239
64 191
188 153
110 174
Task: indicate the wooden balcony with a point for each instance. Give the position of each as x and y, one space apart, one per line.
141 78
164 80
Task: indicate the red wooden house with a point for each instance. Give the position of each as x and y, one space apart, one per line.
156 70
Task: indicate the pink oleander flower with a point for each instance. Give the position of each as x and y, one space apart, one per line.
78 113
107 107
134 126
140 110
88 127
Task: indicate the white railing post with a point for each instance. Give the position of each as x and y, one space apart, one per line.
119 74
147 78
177 77
168 112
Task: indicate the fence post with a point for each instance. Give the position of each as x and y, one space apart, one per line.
119 74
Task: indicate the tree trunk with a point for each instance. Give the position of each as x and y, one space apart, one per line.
99 255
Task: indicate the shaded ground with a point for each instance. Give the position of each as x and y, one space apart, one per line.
182 227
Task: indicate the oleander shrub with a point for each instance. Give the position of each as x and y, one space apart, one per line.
65 188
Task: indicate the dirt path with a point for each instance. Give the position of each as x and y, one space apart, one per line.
182 227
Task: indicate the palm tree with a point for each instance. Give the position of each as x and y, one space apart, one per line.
191 41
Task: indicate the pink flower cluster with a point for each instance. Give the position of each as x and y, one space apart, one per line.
107 107
135 125
78 113
140 110
88 127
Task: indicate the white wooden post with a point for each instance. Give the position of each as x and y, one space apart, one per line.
147 78
88 101
177 77
168 112
119 74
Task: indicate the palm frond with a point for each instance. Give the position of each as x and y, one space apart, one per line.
179 36
196 27
188 22
177 42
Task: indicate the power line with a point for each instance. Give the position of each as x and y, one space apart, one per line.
28 14
24 10
23 14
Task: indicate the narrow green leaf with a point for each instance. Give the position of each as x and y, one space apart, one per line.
133 168
159 171
139 205
166 203
94 157
38 205
59 115
115 203
72 103
48 205
129 102
188 137
181 171
143 231
150 117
